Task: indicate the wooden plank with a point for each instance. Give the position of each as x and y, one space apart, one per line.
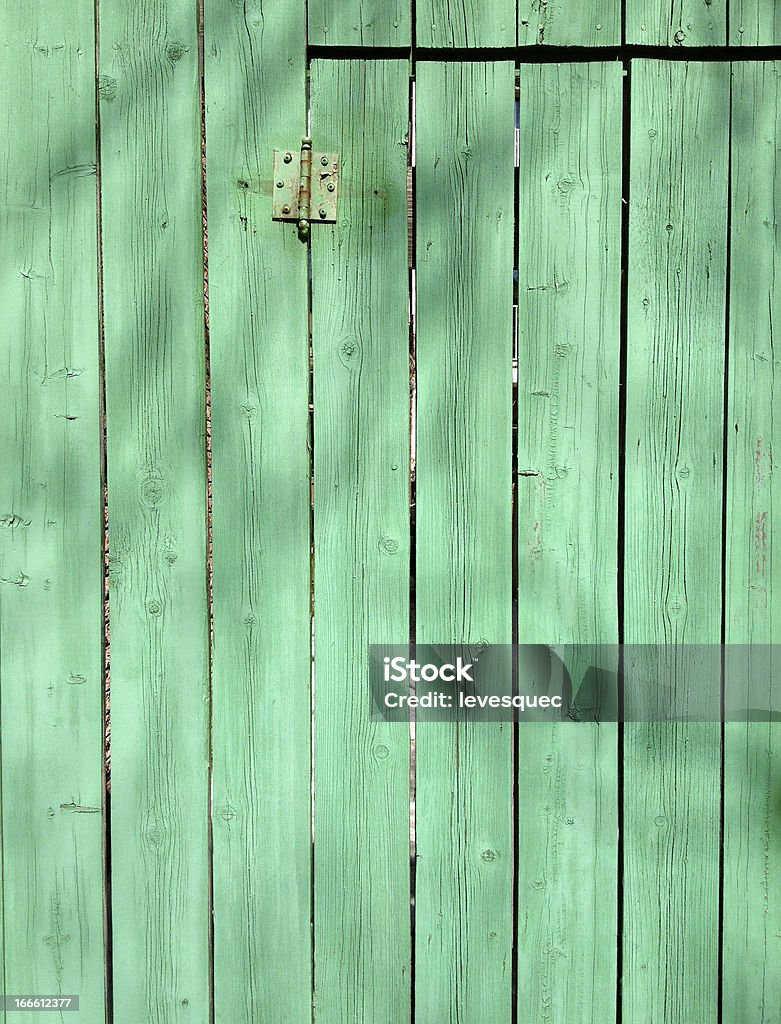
465 118
675 371
259 359
676 22
155 391
569 23
467 23
568 372
754 22
359 22
752 754
51 587
360 339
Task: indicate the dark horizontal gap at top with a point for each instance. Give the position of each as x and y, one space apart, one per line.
547 54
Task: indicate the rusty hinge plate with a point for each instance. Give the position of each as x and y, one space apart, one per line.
287 180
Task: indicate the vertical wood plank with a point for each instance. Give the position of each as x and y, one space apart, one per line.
569 23
754 22
752 755
676 22
466 23
568 373
360 339
259 359
51 587
359 22
153 274
675 372
465 119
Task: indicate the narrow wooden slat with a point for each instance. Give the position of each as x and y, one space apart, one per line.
676 22
255 102
568 371
675 370
51 633
569 23
465 119
360 339
359 22
754 22
466 23
752 755
155 390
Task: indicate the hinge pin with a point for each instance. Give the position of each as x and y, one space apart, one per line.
305 188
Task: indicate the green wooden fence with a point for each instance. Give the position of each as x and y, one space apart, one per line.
232 461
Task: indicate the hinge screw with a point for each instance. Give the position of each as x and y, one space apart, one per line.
280 184
324 161
323 214
286 208
288 157
331 186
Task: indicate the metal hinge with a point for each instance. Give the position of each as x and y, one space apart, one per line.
306 187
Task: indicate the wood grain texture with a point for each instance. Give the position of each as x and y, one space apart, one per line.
569 23
155 394
675 370
752 755
51 642
359 22
255 89
676 22
464 197
465 23
754 22
568 371
360 339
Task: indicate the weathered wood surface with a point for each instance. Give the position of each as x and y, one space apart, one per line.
676 22
51 635
466 23
265 962
674 439
569 23
752 755
568 371
754 22
360 341
464 196
359 22
259 345
155 391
